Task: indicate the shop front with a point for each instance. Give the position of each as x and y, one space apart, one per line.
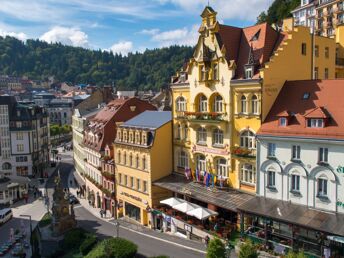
283 226
133 207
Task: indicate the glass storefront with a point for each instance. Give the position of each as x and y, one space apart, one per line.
132 212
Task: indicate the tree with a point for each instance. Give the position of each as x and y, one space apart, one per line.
216 249
292 254
247 250
114 248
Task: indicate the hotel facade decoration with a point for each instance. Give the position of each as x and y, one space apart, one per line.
142 154
300 148
225 90
98 137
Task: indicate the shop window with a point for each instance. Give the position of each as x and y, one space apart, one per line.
132 212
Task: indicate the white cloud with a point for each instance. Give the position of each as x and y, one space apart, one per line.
183 36
227 9
122 47
67 36
149 32
21 35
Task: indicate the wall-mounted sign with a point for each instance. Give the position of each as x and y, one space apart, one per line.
340 204
132 196
197 148
188 228
340 169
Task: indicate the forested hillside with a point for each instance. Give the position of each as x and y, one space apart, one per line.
278 10
38 60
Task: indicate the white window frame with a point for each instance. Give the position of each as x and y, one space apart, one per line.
315 123
295 183
271 178
183 159
271 149
217 137
323 155
283 121
202 135
222 168
218 104
181 104
248 139
243 104
322 189
201 163
203 104
248 173
254 105
296 152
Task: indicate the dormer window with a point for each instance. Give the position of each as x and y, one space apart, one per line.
119 135
315 122
306 95
248 72
283 121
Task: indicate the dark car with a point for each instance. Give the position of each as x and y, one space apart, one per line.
73 200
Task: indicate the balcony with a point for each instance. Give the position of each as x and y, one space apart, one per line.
340 61
243 152
210 117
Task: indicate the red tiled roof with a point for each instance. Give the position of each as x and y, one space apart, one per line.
325 101
238 42
104 122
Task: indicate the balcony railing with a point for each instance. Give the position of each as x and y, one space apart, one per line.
244 152
203 116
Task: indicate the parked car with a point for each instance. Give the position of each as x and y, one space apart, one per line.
5 215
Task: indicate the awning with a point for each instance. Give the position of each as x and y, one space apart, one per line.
337 239
78 178
295 214
202 213
185 207
229 199
172 201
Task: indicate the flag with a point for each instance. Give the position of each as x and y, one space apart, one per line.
197 173
205 178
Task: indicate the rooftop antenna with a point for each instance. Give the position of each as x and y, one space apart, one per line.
208 3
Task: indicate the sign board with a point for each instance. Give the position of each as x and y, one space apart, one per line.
188 228
197 148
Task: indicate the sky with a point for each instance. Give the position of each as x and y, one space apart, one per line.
120 25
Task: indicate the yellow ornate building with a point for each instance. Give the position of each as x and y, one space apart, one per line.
140 145
225 90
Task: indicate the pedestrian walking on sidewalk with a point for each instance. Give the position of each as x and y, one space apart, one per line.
101 213
206 240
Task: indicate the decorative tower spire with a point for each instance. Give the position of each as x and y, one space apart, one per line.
251 60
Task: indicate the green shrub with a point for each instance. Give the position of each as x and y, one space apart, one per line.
292 254
46 220
88 244
73 238
247 250
114 248
216 249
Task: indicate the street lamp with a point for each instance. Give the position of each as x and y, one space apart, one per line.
31 244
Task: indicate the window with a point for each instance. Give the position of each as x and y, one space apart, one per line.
296 151
203 73
186 133
181 104
322 187
183 161
248 140
327 52
271 179
221 168
218 103
145 188
19 136
119 157
303 49
202 135
18 124
144 163
248 72
243 104
323 155
254 104
201 163
137 163
125 158
271 149
326 73
218 137
316 50
179 132
131 182
216 71
248 174
295 183
316 73
283 121
125 180
203 104
120 178
315 123
138 184
306 95
20 147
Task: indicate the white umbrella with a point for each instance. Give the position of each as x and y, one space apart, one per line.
185 207
172 201
202 213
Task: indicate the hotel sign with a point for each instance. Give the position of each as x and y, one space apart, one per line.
132 196
197 148
340 169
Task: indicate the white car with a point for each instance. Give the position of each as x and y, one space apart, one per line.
5 215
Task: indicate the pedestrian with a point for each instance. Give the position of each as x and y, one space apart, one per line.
206 240
101 213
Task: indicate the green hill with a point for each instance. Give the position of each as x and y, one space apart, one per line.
38 60
278 10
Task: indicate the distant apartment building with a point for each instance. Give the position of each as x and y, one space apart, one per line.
43 98
61 111
24 138
322 15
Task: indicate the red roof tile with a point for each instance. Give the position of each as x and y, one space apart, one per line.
324 101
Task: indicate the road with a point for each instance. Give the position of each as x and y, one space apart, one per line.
148 245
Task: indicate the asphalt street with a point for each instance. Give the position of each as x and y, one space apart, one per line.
148 245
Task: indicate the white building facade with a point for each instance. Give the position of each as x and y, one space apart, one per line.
304 15
303 171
